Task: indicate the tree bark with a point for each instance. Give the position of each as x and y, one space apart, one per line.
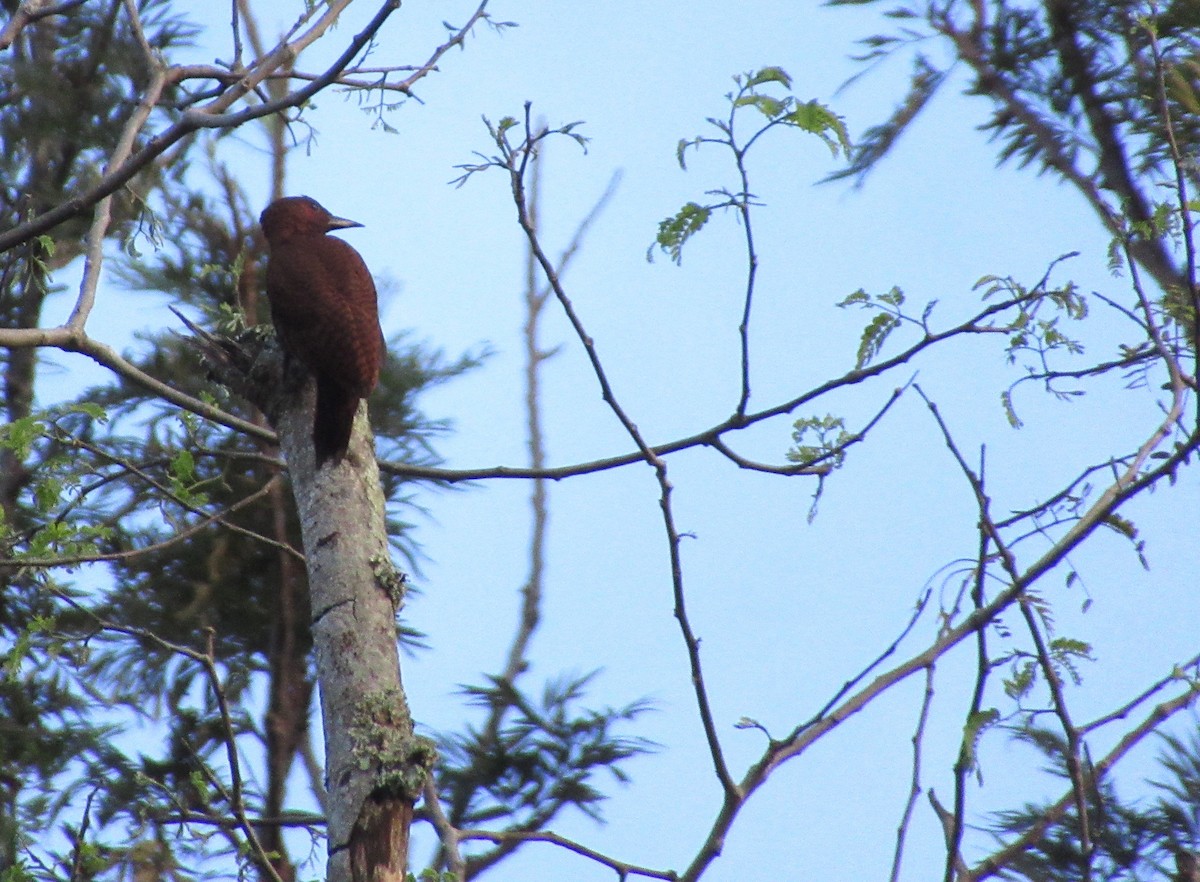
374 766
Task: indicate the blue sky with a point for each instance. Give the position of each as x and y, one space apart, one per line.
787 610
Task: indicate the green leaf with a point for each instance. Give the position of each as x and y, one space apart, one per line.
1066 651
873 337
771 108
858 298
682 147
47 492
19 435
1009 411
1022 680
831 438
674 231
977 724
770 75
183 467
1124 526
821 121
91 409
18 872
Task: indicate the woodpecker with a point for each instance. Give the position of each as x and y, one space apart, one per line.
326 313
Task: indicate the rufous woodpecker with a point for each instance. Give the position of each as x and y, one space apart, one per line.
326 313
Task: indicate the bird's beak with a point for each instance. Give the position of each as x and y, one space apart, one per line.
341 223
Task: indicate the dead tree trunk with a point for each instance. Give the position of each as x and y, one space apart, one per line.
374 766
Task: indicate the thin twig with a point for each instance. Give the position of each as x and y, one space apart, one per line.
1080 783
78 849
988 531
707 437
622 868
214 115
808 734
30 11
995 863
983 666
207 662
447 835
219 518
914 790
1145 695
102 217
517 162
1178 163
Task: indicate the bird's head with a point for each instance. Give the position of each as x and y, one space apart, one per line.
299 216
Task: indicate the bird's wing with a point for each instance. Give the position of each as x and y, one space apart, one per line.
325 309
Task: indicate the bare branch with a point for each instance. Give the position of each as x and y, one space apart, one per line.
213 115
955 822
976 324
1080 783
103 214
1129 707
69 340
1127 485
447 835
30 11
207 662
995 863
516 163
207 520
622 868
236 801
915 786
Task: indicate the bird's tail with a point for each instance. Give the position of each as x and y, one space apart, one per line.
336 407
